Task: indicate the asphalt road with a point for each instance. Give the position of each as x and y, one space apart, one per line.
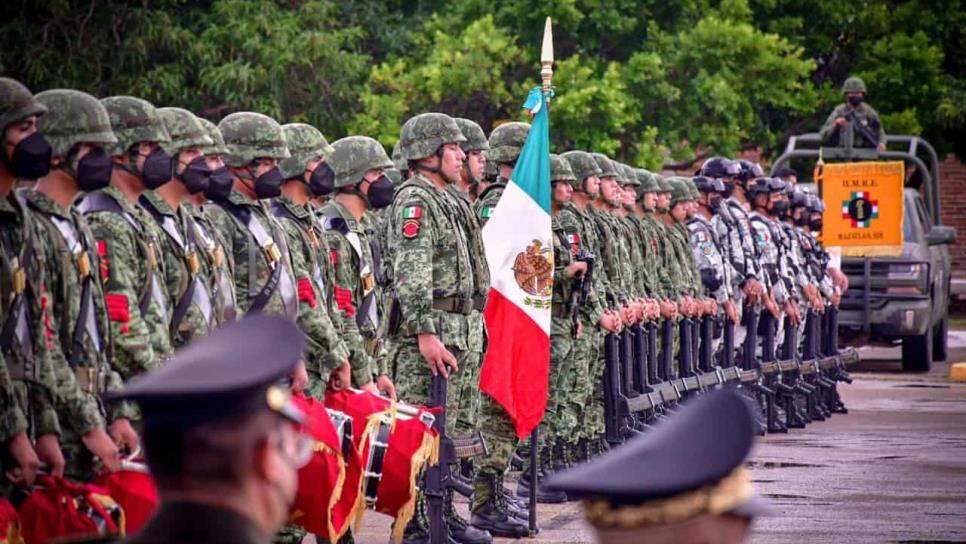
891 470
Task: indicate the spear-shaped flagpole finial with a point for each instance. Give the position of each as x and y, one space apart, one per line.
546 56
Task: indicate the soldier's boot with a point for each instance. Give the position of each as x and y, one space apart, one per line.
460 531
544 496
515 506
583 447
516 462
489 511
461 481
417 530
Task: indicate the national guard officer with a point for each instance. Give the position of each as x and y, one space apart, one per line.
357 166
505 143
318 316
192 311
78 126
221 435
669 497
854 120
127 240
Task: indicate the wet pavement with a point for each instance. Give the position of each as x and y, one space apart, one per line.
891 470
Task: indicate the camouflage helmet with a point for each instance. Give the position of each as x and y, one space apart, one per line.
217 146
648 183
133 120
475 139
506 142
400 163
394 175
693 188
73 117
560 170
17 102
853 85
305 143
606 166
250 136
424 134
582 164
662 184
629 176
184 129
490 171
679 189
353 156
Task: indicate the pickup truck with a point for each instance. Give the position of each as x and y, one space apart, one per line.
902 299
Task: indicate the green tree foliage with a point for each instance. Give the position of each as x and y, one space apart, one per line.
645 80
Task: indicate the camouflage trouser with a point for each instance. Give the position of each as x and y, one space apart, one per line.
584 405
410 373
501 438
559 424
79 461
316 386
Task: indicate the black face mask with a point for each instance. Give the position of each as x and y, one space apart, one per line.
219 184
729 189
195 175
269 184
322 180
380 192
158 168
801 221
31 157
815 224
94 170
780 208
855 100
714 202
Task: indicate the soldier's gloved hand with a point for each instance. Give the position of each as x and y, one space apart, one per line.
123 434
341 377
576 268
48 450
386 386
436 354
101 446
25 458
731 310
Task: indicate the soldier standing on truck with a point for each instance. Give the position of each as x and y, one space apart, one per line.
855 118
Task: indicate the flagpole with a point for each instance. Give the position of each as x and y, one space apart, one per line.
546 77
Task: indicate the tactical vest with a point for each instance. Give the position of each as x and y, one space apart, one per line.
82 251
276 254
194 292
310 237
16 339
368 270
223 287
147 246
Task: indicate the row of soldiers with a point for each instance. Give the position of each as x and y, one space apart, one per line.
135 229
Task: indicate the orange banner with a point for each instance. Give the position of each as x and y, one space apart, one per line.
863 206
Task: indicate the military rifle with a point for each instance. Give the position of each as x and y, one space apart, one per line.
580 288
864 131
437 477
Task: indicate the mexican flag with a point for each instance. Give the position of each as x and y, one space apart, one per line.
519 249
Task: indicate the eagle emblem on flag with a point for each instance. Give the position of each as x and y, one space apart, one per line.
533 269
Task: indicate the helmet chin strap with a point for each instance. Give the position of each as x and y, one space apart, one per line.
437 169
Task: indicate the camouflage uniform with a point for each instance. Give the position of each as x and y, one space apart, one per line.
862 114
582 234
355 258
505 144
128 244
215 264
189 296
307 241
256 239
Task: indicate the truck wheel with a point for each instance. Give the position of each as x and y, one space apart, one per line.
917 352
939 339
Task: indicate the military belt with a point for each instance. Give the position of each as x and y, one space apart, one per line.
559 310
90 380
454 305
